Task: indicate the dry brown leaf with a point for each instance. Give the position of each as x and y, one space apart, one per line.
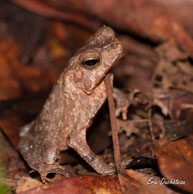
13 166
16 77
10 122
27 183
134 182
172 82
174 70
80 185
127 126
125 100
154 19
9 86
175 162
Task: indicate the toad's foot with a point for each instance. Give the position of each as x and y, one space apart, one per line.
54 168
79 144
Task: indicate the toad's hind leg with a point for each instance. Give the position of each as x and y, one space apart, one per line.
79 144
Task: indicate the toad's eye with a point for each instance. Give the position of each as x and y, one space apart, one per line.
91 62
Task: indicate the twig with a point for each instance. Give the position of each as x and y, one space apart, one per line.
117 155
151 126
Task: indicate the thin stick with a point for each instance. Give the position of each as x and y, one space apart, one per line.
117 155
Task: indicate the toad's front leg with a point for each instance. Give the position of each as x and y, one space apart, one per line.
77 141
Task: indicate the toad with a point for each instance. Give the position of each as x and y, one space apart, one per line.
71 107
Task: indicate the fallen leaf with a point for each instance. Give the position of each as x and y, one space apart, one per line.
175 162
27 183
15 77
80 185
12 166
135 182
174 70
153 19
